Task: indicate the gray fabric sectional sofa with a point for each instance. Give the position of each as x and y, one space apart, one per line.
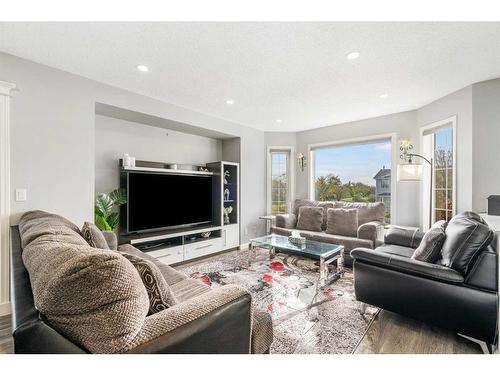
69 297
369 232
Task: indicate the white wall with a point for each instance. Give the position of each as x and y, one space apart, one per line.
403 124
53 141
458 103
114 137
485 142
231 150
288 139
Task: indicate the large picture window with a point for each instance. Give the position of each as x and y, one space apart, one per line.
358 172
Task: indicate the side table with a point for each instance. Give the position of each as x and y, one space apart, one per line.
269 220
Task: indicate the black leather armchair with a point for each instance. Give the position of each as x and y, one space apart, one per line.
440 295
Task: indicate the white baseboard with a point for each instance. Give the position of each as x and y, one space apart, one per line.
244 246
5 308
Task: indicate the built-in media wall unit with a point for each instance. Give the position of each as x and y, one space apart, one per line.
180 212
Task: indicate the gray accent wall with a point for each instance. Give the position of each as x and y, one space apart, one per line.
485 142
114 137
53 141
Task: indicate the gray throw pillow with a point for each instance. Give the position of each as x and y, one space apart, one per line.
342 221
310 218
94 236
429 249
159 293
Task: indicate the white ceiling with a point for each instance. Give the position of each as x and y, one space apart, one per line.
296 72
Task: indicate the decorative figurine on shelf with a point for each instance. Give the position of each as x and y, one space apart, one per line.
203 169
227 211
226 174
226 194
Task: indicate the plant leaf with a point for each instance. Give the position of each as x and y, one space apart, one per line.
104 204
112 220
119 196
101 223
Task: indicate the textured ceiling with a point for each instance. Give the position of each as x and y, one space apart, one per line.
295 72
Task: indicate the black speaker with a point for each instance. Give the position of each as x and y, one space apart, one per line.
494 205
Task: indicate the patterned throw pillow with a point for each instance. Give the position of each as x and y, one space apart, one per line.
310 218
159 293
429 249
94 236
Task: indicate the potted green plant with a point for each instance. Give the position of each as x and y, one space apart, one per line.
106 209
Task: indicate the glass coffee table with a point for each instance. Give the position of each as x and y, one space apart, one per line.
326 253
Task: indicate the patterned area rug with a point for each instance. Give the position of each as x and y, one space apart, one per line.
306 319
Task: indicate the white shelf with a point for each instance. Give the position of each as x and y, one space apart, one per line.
173 234
165 170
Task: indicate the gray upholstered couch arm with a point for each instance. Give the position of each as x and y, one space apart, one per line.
373 231
288 221
111 239
218 321
407 265
403 236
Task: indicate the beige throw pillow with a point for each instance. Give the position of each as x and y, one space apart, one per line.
342 221
310 218
94 236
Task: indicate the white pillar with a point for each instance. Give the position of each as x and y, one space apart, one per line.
5 196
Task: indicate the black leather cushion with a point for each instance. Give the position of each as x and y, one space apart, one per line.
429 249
466 234
402 236
403 251
406 265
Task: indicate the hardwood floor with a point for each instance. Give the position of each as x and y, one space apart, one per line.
6 342
389 333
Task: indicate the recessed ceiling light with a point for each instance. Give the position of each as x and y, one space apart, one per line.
142 68
279 121
229 101
384 96
353 55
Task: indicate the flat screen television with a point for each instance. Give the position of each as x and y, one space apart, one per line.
161 201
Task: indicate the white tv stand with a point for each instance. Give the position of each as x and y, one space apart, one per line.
177 246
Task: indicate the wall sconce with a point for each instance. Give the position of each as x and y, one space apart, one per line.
301 161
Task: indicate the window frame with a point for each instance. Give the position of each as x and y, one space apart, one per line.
427 150
353 141
290 175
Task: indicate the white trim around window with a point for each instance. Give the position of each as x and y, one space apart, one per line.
450 122
291 175
353 141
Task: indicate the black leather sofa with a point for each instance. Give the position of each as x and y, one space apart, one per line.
461 296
